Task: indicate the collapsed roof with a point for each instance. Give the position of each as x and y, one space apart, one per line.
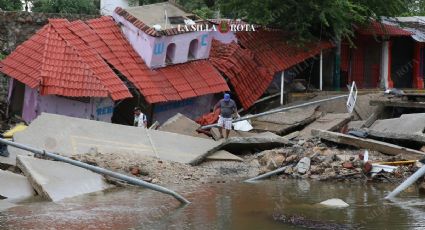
75 59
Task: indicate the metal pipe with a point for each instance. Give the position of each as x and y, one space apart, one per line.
409 181
278 110
321 70
269 174
282 85
99 170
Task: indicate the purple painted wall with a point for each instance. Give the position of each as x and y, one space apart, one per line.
153 50
100 109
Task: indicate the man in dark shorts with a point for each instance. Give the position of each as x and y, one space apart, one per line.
228 108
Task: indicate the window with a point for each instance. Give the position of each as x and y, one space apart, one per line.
193 49
171 51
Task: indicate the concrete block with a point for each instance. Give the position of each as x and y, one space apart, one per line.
54 180
15 186
69 136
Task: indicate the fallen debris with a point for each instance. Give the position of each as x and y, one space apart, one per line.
380 146
223 155
237 144
329 122
70 136
285 122
15 186
408 128
55 180
182 125
393 101
334 203
303 165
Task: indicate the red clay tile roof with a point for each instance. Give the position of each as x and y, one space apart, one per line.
248 78
171 83
274 53
58 62
150 30
69 59
380 29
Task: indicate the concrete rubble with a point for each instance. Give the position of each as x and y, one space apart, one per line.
408 127
70 136
15 186
182 125
283 123
330 122
383 147
223 155
312 148
55 181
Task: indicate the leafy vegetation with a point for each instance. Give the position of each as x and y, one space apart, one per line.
11 5
66 6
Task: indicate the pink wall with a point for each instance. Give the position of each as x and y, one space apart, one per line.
153 50
100 109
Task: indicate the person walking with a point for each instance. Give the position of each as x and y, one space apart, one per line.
140 119
227 109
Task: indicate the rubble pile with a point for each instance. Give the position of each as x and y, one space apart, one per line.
313 159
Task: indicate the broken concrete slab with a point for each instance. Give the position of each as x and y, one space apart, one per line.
181 124
383 147
6 162
292 135
236 144
55 180
15 186
285 122
5 205
233 133
391 101
223 155
354 125
408 127
363 107
70 136
330 122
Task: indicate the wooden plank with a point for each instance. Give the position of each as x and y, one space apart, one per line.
383 147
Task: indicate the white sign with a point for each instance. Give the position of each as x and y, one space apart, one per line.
351 102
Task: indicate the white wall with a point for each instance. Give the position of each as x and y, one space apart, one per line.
107 7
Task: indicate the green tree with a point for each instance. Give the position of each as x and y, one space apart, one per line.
66 6
11 5
309 18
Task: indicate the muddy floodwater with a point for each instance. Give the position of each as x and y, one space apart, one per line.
227 206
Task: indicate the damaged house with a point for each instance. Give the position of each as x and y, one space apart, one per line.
102 68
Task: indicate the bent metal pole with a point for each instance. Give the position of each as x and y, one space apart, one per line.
99 170
279 110
409 181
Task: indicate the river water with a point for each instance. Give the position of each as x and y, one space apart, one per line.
226 206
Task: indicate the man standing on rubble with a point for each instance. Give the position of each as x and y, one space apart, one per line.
227 109
140 119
